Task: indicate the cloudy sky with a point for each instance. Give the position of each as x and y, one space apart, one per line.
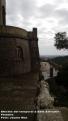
49 16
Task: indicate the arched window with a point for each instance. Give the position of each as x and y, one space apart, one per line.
20 53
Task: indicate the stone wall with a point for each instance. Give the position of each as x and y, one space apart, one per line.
14 51
14 56
18 51
34 50
11 31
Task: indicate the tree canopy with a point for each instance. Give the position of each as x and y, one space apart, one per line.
61 40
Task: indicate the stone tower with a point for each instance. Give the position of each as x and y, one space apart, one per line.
19 67
2 12
18 48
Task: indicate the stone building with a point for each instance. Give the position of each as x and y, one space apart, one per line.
19 67
19 52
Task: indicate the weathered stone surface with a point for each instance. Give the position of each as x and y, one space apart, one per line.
19 66
45 105
12 62
18 93
44 99
18 54
53 115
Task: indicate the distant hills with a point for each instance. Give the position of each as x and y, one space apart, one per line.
60 60
46 57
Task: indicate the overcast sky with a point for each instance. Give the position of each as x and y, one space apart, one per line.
49 16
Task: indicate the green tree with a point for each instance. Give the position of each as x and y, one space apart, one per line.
61 40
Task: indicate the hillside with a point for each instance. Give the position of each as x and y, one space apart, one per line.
61 60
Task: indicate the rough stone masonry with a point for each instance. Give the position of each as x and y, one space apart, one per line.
19 65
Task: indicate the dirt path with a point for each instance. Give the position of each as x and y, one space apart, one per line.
45 104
